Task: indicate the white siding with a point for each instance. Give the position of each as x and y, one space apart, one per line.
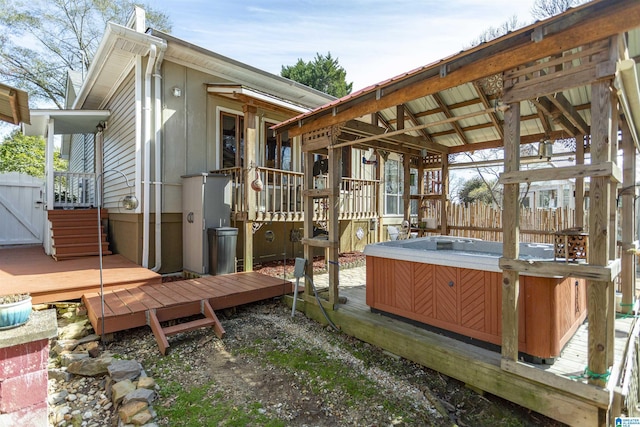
119 144
81 157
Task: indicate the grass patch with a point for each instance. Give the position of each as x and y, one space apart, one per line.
203 406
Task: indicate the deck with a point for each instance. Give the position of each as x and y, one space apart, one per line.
127 308
559 391
29 269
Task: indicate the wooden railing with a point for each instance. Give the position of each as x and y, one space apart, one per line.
73 189
281 196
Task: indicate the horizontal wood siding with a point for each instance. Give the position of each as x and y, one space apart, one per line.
119 143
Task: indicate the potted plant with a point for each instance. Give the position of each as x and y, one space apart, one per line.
15 310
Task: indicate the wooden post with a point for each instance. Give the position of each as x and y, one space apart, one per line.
628 196
307 206
613 223
511 232
250 148
406 186
444 199
579 195
598 251
380 176
333 223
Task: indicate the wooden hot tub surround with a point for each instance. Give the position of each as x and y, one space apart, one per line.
468 301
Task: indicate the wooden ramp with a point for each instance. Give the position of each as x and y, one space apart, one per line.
152 304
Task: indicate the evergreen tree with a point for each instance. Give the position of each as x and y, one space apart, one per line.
323 73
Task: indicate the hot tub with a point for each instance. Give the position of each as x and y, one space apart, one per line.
455 285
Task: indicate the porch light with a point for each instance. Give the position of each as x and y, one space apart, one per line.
176 91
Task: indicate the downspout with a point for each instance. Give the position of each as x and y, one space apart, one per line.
147 156
158 159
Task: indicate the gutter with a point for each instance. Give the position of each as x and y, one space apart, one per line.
146 124
157 122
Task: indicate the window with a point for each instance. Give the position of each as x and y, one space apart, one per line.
393 178
277 154
232 132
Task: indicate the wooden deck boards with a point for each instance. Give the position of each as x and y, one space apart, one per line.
29 269
126 308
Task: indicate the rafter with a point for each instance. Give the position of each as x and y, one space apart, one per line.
544 104
485 102
563 104
447 112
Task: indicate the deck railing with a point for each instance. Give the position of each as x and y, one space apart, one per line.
281 196
74 189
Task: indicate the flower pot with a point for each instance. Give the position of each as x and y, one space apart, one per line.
15 313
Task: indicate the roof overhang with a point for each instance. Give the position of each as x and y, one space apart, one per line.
115 57
65 122
256 97
14 105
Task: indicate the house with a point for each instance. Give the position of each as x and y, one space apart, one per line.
153 109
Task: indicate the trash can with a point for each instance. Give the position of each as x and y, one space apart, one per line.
222 250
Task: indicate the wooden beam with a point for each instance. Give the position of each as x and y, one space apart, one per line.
443 106
528 139
333 223
599 193
485 102
437 148
511 235
608 169
590 23
414 120
556 115
569 111
579 191
555 268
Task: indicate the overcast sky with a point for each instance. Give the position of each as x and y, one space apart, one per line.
373 40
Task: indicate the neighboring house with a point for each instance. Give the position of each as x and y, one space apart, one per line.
153 108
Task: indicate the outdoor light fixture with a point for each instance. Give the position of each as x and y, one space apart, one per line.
545 149
129 202
176 91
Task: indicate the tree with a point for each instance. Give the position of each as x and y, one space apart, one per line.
542 9
41 39
26 154
323 73
474 190
495 32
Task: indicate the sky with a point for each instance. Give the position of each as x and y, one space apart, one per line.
373 40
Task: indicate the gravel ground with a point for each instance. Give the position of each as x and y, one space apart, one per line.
274 370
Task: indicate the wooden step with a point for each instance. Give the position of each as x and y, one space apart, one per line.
76 213
60 257
66 248
78 238
160 333
74 222
70 231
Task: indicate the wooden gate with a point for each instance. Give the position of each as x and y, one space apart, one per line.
21 209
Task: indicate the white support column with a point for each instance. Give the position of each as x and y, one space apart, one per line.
48 170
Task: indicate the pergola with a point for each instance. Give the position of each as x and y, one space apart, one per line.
570 76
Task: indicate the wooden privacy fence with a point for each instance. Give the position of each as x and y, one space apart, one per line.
481 221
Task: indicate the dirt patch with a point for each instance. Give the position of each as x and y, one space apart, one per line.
277 268
272 369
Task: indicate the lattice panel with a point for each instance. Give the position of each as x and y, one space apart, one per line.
446 294
472 298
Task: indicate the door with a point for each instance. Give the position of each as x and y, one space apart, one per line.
21 209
